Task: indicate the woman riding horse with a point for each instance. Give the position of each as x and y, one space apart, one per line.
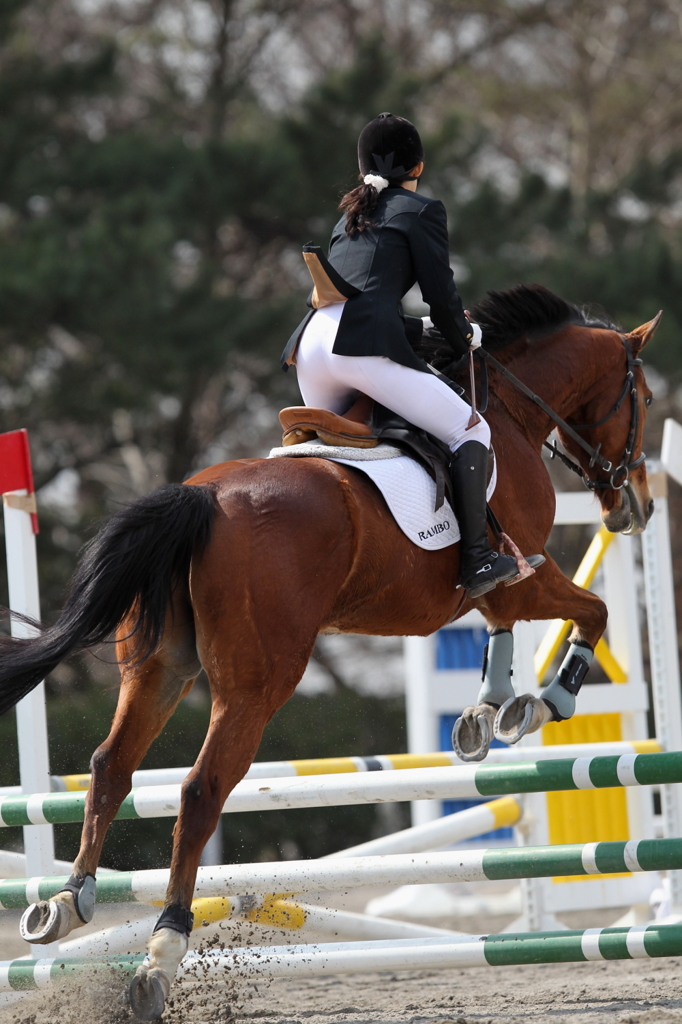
239 569
388 238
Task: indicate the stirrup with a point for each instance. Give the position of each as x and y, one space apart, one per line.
486 578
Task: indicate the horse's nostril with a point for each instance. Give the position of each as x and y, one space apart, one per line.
650 508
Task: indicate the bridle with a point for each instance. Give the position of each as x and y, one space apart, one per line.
617 476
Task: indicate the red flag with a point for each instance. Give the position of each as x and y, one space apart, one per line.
16 473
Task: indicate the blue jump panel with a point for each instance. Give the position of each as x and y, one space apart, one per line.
462 649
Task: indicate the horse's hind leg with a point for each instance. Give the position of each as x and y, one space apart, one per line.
473 731
248 685
148 696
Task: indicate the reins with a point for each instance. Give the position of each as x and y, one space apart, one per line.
627 463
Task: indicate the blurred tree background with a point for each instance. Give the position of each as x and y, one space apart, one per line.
161 163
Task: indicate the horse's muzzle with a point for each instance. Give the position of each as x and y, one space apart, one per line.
633 512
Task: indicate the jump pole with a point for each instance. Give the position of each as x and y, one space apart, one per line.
281 913
373 763
233 880
21 525
461 781
452 828
507 949
284 916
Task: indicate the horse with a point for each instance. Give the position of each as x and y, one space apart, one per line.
239 569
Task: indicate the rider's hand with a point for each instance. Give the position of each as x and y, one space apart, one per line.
477 338
431 331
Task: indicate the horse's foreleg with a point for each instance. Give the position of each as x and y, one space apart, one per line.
148 696
553 596
473 731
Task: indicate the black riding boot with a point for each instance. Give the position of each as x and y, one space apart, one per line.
481 568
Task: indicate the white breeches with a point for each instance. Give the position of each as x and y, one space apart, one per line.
329 381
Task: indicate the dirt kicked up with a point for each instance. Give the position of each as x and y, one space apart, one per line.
617 992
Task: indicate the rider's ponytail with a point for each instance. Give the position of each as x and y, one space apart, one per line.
389 148
361 203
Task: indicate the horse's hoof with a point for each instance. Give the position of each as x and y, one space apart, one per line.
45 922
519 716
148 992
473 732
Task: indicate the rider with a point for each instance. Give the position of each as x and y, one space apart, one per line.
356 339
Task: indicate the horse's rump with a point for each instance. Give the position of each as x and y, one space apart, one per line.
318 538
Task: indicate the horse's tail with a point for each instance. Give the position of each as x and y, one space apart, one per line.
128 570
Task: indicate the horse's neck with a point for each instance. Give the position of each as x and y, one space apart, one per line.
563 371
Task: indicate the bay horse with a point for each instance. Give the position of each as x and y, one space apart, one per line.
239 569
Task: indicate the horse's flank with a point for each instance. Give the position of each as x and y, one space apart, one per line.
340 559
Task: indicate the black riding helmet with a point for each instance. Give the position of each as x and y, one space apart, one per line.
390 146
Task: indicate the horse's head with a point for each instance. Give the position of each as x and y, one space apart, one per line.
611 420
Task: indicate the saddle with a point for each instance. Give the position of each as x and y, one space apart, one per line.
365 425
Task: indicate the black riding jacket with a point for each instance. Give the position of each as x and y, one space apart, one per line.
407 243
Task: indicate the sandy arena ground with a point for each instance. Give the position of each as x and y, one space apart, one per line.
618 992
630 992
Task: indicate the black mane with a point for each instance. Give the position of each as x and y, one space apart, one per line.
528 310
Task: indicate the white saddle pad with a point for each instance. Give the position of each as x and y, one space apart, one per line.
408 490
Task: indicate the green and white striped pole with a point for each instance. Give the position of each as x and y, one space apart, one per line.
330 875
639 942
456 782
374 763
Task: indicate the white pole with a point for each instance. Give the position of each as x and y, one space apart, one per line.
422 731
132 937
451 828
213 851
665 666
34 767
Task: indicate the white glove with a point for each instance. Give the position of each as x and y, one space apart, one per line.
477 338
428 323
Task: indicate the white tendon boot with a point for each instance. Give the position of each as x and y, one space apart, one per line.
473 731
50 920
526 714
151 984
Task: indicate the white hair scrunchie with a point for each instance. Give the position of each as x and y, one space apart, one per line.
376 181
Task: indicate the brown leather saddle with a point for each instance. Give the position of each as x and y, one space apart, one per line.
365 425
354 429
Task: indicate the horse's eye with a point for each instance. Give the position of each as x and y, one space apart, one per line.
648 401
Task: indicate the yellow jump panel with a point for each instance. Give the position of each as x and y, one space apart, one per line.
555 636
586 815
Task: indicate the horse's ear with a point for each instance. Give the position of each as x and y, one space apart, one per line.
641 336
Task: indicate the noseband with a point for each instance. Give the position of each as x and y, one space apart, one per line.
617 476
